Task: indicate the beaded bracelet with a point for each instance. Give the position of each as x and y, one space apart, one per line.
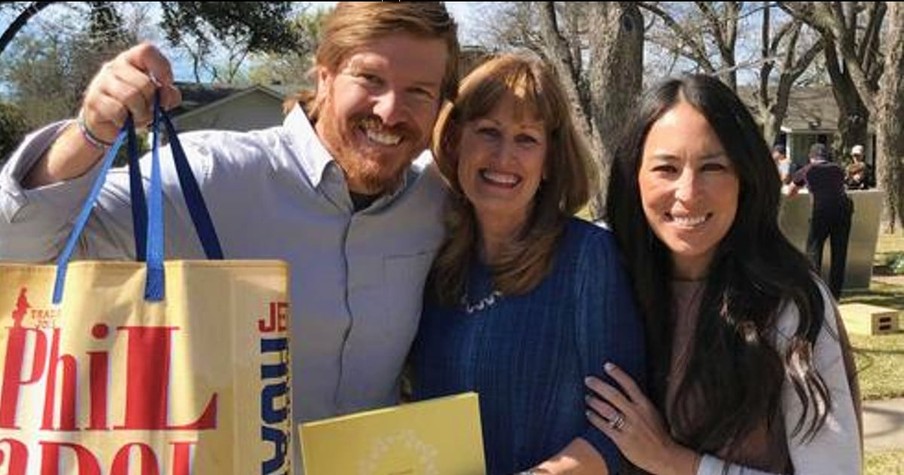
88 135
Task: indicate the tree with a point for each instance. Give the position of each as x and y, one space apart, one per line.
19 22
850 37
780 54
291 67
105 25
43 63
63 62
596 51
240 27
708 35
890 126
693 33
12 129
243 27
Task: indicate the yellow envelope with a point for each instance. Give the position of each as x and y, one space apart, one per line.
435 437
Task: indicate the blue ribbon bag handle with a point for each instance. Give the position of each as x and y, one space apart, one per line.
147 214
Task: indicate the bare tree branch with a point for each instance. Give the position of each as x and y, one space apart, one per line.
563 63
20 22
695 51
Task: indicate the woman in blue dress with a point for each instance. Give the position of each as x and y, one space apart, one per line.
524 300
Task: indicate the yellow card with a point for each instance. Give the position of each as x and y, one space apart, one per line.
435 437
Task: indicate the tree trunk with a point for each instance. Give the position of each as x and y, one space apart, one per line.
794 62
557 52
890 126
616 59
779 108
853 118
853 113
851 60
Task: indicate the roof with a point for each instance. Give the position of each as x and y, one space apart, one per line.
197 98
810 108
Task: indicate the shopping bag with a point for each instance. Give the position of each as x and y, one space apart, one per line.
151 367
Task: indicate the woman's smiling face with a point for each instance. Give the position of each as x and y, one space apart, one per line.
501 160
689 188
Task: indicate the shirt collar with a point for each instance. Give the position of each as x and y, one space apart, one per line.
314 156
315 159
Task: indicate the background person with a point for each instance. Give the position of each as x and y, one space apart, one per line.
858 174
783 163
524 300
750 369
830 215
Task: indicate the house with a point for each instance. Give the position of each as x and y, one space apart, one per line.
812 113
206 106
812 117
223 107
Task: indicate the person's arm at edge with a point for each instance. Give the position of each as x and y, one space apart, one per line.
70 156
620 320
124 86
831 450
798 181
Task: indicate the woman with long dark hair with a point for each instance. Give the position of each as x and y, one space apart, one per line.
749 367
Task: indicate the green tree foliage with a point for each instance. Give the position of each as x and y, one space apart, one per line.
47 73
105 25
12 129
263 26
292 67
243 27
23 15
45 78
249 27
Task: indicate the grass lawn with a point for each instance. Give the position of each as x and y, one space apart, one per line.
880 362
890 242
880 358
888 245
889 462
881 294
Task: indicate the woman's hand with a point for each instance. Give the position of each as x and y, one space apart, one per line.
636 427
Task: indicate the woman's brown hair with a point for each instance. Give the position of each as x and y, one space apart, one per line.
569 175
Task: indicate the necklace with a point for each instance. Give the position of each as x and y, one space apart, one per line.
482 304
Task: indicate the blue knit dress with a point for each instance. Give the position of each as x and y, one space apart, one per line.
527 355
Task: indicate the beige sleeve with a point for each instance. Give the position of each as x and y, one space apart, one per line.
836 448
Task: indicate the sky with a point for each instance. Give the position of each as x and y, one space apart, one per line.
463 12
467 14
50 18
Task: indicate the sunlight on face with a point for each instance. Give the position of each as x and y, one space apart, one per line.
689 188
379 108
501 161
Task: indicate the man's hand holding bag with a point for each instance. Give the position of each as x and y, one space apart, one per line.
154 366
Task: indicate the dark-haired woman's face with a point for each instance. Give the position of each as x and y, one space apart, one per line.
688 187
